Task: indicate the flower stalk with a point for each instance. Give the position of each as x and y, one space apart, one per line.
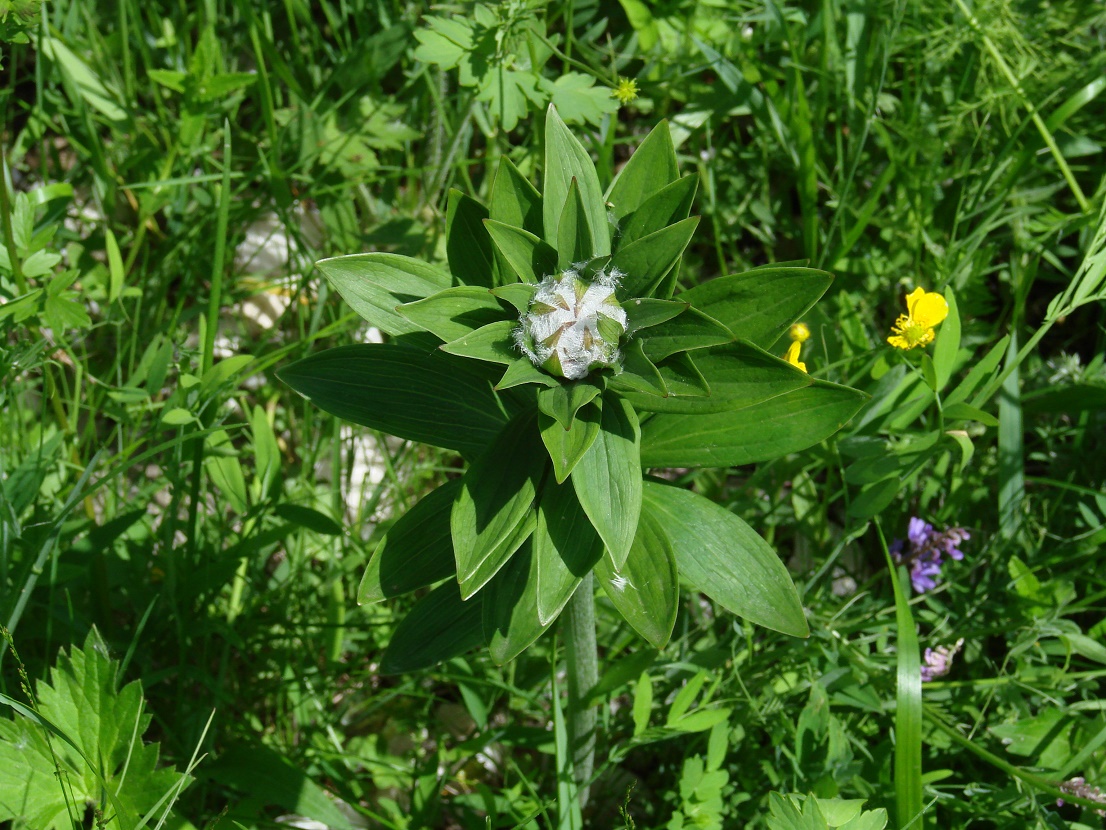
582 668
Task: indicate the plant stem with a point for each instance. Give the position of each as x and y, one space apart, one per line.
582 662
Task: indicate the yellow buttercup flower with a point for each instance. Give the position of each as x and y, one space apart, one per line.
924 310
626 91
799 332
792 355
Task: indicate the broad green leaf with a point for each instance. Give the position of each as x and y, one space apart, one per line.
578 99
493 343
566 548
564 400
510 618
759 305
517 294
645 312
374 284
417 550
638 374
509 94
222 465
948 343
646 590
493 513
962 411
646 260
514 201
669 205
523 371
737 375
565 160
608 478
455 312
778 426
724 558
468 246
574 238
682 377
528 256
691 330
101 752
567 446
440 625
86 83
406 392
652 166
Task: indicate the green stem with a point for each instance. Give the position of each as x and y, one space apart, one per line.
582 662
6 223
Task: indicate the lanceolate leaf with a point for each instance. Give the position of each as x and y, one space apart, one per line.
565 160
646 591
567 446
759 305
784 424
468 246
517 294
638 373
510 618
652 166
493 343
669 205
374 284
514 201
566 547
645 312
648 259
416 551
737 374
721 556
455 312
493 513
409 393
608 478
574 239
564 400
530 258
522 371
691 330
439 626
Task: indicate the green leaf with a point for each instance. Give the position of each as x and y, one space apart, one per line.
566 548
509 94
737 375
416 551
523 371
652 166
645 312
608 478
567 446
85 82
510 619
439 626
963 412
528 256
406 392
645 261
101 754
493 343
455 312
638 373
517 294
668 206
778 426
564 400
759 305
493 514
948 343
468 246
514 201
725 559
222 465
682 377
691 330
374 284
565 160
574 240
646 590
578 99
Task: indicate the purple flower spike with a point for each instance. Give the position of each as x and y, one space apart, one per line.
918 532
927 547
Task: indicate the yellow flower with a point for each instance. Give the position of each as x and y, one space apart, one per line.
799 332
792 355
626 91
924 310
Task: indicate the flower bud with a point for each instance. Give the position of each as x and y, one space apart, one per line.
572 325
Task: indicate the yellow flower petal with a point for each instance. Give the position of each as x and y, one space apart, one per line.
792 355
927 310
799 332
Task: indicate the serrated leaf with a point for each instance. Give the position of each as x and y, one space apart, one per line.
578 99
374 284
652 166
646 589
778 426
565 160
416 551
565 546
608 478
429 397
721 556
528 256
509 94
493 513
439 626
645 261
455 312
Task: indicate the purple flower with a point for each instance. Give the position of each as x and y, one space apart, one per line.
938 661
926 549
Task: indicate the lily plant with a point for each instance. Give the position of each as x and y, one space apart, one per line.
561 357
